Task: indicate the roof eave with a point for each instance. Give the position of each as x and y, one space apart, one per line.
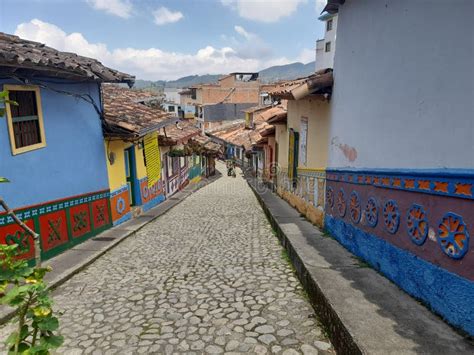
332 6
155 127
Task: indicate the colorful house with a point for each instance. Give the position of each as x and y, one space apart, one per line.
206 151
51 145
400 177
178 161
131 138
243 141
301 142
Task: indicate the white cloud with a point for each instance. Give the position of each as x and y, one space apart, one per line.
306 55
241 31
250 46
121 8
164 16
264 10
152 63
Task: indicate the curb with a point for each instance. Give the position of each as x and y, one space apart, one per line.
5 316
340 337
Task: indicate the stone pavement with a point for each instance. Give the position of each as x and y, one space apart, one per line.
209 276
70 262
364 312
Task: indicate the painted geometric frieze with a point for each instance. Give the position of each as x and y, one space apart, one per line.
100 213
408 224
341 203
14 234
149 193
371 212
330 197
320 196
80 220
58 222
391 216
53 230
53 206
354 207
453 237
417 224
454 184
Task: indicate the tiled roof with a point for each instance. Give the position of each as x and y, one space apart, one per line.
278 118
269 113
207 144
16 52
269 131
255 108
241 136
125 117
179 133
318 83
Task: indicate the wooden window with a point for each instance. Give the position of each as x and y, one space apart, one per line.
328 46
329 25
25 120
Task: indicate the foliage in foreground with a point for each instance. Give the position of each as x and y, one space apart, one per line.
3 101
23 288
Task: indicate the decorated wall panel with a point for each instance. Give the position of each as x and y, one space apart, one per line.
53 230
307 195
414 228
153 195
120 205
61 224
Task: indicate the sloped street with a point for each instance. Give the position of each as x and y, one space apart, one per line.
207 277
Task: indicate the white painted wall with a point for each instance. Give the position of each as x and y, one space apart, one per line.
326 59
404 84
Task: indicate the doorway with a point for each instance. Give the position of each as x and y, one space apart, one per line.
130 173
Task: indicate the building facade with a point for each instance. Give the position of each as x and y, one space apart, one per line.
131 136
223 101
301 143
52 146
400 178
326 47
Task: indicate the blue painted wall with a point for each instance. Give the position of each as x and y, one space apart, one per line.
73 161
444 292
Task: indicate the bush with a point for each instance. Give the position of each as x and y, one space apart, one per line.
23 288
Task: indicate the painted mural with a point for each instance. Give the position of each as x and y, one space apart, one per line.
307 195
62 223
414 227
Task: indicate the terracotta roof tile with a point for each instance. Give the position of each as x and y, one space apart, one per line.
125 117
317 83
176 134
16 52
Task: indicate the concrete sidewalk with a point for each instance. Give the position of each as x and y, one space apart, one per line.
72 261
363 312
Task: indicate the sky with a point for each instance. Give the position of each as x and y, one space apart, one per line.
168 39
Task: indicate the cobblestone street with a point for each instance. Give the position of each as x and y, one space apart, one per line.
207 277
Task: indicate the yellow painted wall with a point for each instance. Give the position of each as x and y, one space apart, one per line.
317 112
140 161
281 137
116 171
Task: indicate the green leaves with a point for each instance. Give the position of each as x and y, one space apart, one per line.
23 288
52 341
4 100
2 179
50 324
